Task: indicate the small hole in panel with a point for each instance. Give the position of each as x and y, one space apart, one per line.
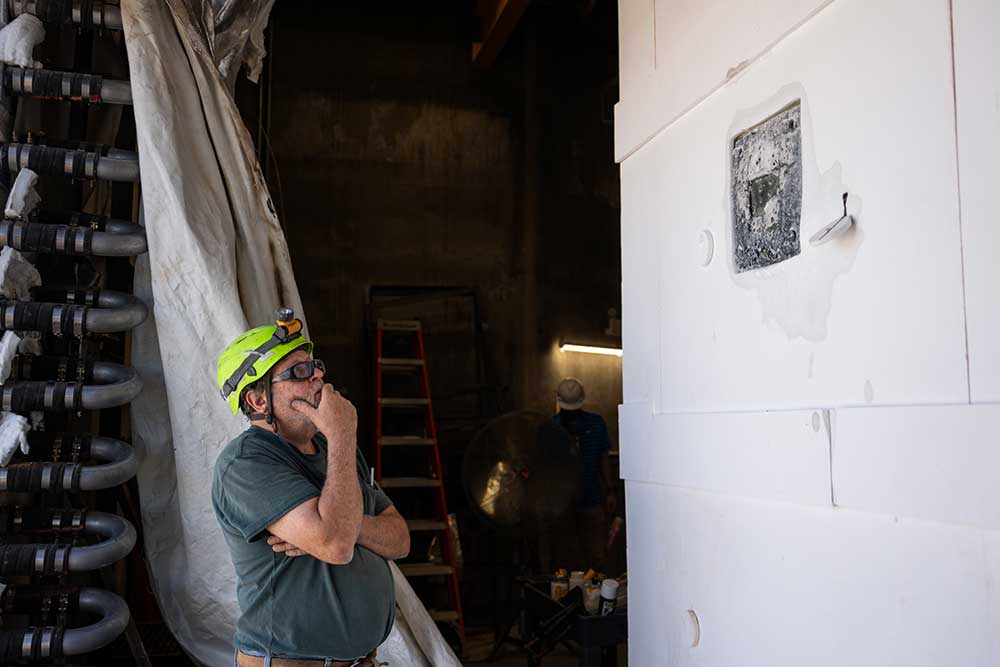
695 627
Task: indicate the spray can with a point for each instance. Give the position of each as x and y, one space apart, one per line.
609 596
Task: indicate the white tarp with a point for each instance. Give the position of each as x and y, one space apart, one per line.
217 264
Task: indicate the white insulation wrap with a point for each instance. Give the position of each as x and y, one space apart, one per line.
18 40
23 197
217 265
17 275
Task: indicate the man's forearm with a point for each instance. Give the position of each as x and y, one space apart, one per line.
386 535
340 504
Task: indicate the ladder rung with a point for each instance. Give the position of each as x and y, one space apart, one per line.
403 402
399 325
423 525
397 440
400 361
444 615
408 482
425 569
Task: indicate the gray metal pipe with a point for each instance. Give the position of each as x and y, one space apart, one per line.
115 165
101 15
120 239
116 311
120 540
121 466
38 643
120 242
116 169
69 312
117 385
73 86
121 154
114 618
114 91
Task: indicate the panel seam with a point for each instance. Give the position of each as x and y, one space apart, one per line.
958 183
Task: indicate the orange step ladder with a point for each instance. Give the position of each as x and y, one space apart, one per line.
414 364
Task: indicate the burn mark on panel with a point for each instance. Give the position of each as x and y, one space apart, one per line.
767 190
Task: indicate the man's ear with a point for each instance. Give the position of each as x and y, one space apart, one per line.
257 401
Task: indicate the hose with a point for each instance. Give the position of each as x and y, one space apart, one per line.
125 241
72 86
87 14
56 477
116 165
18 560
43 643
114 385
80 312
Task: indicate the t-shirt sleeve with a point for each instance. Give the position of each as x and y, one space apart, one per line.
382 502
257 489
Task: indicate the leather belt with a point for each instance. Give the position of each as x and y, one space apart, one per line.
244 660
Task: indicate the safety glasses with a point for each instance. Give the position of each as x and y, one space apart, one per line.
301 371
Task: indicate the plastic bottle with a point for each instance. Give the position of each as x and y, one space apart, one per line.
609 596
591 598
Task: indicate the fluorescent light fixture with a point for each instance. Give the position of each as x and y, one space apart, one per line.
590 349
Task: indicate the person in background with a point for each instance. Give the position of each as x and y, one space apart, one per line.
598 498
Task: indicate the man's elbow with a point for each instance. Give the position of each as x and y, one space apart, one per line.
404 540
338 553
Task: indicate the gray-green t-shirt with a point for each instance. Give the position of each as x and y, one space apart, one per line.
296 606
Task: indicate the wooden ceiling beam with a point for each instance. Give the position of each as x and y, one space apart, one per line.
498 19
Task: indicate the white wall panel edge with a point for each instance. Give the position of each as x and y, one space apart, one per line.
891 337
977 88
782 585
638 121
938 463
779 456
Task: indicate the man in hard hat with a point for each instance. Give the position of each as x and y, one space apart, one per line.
598 498
308 530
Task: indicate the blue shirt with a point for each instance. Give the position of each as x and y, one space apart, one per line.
591 434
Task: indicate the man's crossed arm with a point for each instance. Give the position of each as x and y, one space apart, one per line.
385 534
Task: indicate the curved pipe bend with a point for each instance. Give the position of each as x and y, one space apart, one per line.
116 311
114 618
120 465
114 385
73 312
120 539
38 643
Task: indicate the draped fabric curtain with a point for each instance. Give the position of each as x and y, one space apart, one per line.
217 264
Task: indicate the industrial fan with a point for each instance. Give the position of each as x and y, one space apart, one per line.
521 471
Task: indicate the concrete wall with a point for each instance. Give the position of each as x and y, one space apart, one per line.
810 448
399 164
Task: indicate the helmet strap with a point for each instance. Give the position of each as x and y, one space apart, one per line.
267 414
269 417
